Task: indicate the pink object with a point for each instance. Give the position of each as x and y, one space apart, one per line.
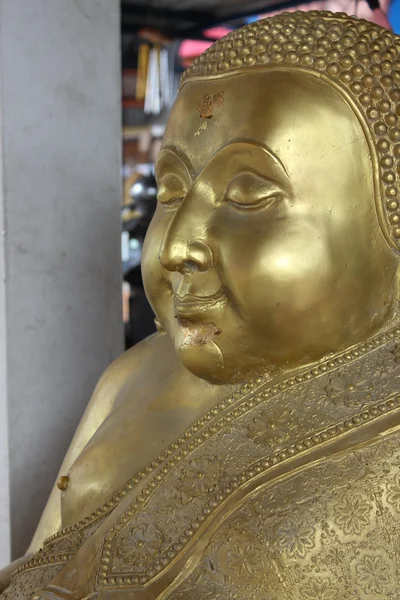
381 19
377 16
193 48
215 33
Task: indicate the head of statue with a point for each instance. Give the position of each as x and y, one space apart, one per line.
276 237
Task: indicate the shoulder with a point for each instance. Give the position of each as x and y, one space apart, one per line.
144 356
132 371
133 367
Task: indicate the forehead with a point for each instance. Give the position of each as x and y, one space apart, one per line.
301 119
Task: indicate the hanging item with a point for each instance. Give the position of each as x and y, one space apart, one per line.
157 94
143 64
165 84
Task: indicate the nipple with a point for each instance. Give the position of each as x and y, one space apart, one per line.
63 482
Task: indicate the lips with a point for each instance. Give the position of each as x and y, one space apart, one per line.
190 305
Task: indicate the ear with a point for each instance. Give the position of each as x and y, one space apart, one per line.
159 326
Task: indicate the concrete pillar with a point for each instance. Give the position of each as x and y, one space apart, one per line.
60 274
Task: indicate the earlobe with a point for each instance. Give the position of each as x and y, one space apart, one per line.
159 327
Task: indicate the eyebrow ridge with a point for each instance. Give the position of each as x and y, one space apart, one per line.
181 156
267 149
185 160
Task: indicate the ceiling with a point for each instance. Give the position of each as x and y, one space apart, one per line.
188 18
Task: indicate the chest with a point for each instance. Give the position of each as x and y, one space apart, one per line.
135 433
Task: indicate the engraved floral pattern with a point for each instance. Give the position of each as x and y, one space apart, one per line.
140 545
372 574
22 586
66 545
192 589
166 515
394 493
380 369
296 538
396 353
319 589
270 428
334 557
351 390
244 559
200 476
306 496
352 514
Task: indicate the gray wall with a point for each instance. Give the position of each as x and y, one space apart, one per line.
60 195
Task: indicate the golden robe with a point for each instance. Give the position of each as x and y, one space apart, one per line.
278 493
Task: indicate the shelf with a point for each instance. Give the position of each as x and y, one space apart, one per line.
132 103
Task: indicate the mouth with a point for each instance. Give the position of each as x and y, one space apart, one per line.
190 305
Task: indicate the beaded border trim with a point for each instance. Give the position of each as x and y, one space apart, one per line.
194 437
260 467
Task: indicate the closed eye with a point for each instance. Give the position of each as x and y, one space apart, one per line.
250 191
171 191
173 202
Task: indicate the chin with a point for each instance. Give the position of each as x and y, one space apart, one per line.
208 362
205 361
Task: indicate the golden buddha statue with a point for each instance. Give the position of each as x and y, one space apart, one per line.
250 450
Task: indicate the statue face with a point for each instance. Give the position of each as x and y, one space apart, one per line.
265 250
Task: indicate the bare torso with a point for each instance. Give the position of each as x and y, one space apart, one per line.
155 404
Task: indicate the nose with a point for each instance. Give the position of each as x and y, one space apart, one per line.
186 256
185 247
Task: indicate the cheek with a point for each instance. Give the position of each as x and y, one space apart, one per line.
151 267
291 271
